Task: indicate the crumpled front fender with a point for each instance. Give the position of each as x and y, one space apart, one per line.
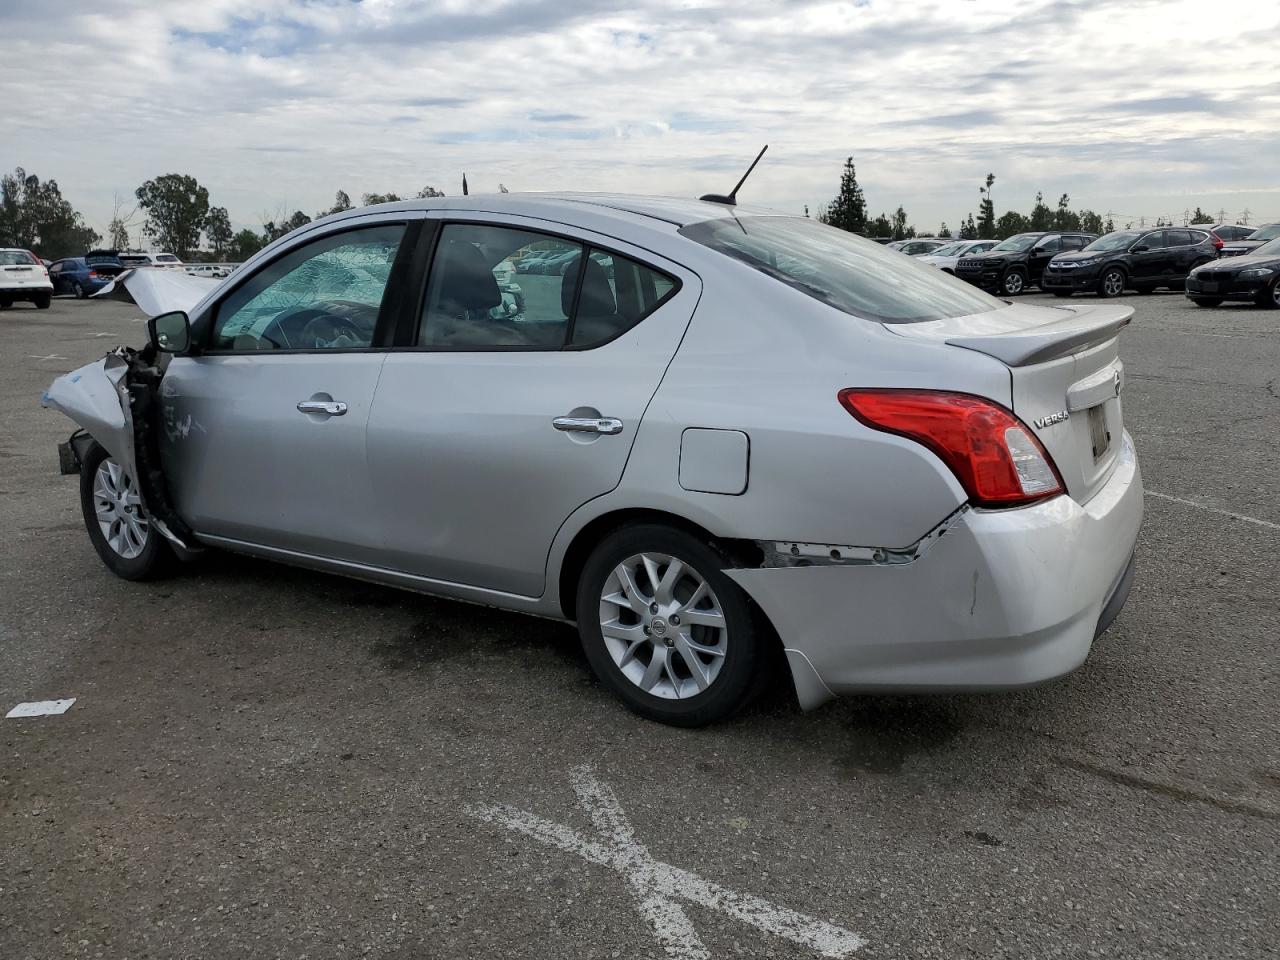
97 397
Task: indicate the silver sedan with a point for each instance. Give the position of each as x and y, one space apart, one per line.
728 444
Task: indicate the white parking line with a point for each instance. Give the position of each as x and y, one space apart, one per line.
52 356
659 885
1222 513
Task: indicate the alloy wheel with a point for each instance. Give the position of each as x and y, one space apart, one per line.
663 625
118 508
1275 293
1113 283
1013 283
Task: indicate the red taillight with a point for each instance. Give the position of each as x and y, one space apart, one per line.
1217 240
93 274
997 460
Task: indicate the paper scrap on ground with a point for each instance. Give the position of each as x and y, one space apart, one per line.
40 708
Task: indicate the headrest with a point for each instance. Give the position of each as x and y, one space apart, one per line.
468 282
597 298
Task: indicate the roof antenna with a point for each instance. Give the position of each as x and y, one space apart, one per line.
732 198
464 184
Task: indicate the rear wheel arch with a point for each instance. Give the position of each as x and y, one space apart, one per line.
735 552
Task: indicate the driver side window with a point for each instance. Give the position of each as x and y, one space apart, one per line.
324 295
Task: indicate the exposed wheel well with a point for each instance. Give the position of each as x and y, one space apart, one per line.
743 553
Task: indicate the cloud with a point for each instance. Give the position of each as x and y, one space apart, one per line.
285 101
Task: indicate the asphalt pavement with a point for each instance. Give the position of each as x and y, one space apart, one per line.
269 762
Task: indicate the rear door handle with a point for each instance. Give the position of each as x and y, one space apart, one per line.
605 425
332 408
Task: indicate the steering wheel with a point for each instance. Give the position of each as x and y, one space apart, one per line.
322 329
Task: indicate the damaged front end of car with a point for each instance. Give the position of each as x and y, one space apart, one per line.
116 402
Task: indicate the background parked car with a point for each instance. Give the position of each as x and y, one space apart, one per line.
165 261
23 277
918 246
1254 277
76 275
1014 264
946 257
1139 260
1264 233
1224 233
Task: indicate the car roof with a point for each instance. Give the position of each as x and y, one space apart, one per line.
674 210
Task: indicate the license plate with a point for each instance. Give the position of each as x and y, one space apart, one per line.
1210 287
1098 432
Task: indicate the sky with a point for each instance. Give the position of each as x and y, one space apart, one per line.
1138 107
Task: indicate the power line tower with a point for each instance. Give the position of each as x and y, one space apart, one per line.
1222 216
1186 216
1244 216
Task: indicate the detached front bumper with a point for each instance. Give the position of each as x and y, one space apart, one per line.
1005 599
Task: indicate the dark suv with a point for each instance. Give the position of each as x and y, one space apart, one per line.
1014 264
1130 259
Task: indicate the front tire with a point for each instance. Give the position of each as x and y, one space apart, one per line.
118 525
665 629
1270 299
1013 283
1111 283
42 300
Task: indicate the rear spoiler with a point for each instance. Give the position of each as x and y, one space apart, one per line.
1061 338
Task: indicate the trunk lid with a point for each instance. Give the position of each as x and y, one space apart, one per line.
1065 374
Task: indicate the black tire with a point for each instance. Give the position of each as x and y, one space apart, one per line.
1014 282
155 560
735 684
6 303
1062 293
1206 301
42 300
79 291
1269 298
1115 287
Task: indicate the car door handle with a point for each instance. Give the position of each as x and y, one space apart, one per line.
605 425
332 408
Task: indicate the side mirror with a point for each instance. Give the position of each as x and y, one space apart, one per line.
170 332
1140 248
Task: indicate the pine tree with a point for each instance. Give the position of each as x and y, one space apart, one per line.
1201 217
987 211
848 210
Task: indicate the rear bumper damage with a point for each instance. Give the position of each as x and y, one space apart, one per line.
1005 599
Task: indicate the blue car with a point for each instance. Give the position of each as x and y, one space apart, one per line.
84 276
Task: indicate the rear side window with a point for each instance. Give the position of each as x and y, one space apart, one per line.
505 288
850 273
323 295
1073 243
617 293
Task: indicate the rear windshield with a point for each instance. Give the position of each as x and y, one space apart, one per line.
134 258
1269 232
1271 249
166 258
13 258
843 270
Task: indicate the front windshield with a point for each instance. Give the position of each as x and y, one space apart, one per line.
1016 244
950 250
843 270
1270 232
1114 241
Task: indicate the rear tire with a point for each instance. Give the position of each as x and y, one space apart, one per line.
645 660
1013 282
42 300
1207 301
1111 283
1270 299
130 546
79 291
